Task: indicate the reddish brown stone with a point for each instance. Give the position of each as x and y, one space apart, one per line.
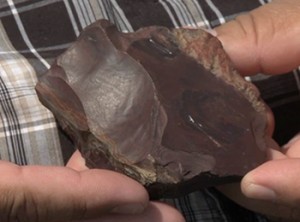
163 106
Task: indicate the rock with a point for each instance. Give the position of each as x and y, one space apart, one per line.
163 106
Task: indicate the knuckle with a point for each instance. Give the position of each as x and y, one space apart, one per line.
16 206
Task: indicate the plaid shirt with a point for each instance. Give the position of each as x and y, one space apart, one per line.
33 33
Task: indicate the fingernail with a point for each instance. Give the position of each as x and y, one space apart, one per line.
212 32
259 192
129 209
293 140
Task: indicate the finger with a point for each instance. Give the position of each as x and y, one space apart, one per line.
276 181
77 162
292 148
36 193
270 121
275 154
277 212
264 40
156 211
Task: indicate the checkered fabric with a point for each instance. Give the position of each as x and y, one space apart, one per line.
34 32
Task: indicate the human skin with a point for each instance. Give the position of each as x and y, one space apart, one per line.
267 40
153 211
75 193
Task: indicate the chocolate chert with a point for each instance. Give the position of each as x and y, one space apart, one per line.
163 106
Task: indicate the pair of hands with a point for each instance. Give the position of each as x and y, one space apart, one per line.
264 40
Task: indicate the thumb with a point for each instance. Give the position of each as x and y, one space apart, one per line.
40 193
276 180
264 40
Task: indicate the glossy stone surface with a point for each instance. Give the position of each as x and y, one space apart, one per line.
163 106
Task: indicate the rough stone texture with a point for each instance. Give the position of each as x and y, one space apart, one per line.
163 106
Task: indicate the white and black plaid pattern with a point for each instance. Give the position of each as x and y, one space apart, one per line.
34 32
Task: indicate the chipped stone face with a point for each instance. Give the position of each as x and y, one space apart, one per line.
163 106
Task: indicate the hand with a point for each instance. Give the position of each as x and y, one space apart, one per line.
154 211
278 181
266 40
44 193
273 188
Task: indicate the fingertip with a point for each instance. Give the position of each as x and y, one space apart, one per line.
275 154
239 45
257 191
130 196
254 184
256 41
292 148
258 176
116 191
270 121
77 162
276 180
